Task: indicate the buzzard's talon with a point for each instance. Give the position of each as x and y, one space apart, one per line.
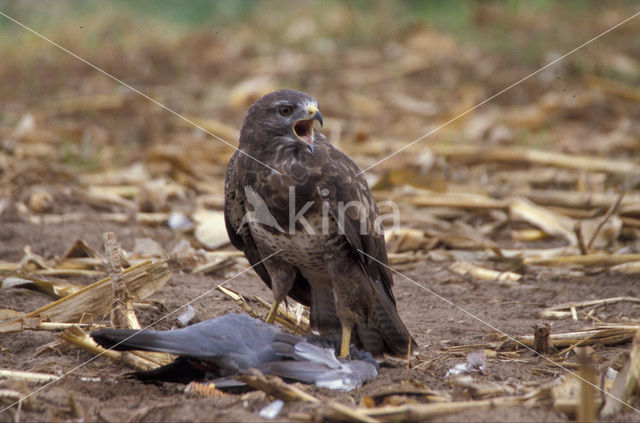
346 342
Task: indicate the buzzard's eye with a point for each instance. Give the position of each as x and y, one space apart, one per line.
285 110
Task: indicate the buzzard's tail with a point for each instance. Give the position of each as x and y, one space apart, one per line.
323 317
385 332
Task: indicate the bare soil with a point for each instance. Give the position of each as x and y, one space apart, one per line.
434 322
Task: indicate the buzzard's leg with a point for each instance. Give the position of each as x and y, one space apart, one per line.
273 311
352 294
282 277
346 342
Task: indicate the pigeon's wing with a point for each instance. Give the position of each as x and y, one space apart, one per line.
351 375
300 360
314 364
300 371
304 351
284 344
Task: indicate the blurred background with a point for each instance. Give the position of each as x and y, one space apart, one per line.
384 74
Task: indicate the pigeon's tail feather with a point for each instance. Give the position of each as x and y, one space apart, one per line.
124 339
172 342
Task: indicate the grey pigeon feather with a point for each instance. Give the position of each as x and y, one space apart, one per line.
220 348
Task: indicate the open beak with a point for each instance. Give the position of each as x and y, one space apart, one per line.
303 128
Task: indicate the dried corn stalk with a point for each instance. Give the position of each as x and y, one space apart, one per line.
142 280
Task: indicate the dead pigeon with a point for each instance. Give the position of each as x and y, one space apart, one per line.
218 349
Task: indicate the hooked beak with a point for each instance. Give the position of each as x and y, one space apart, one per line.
315 114
303 128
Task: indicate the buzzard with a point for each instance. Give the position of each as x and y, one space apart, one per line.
288 191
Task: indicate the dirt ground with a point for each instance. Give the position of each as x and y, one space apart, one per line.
69 134
434 323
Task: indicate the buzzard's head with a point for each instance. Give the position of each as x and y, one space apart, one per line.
282 116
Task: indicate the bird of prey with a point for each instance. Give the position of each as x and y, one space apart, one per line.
321 220
218 349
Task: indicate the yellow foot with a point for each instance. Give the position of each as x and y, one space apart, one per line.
273 311
346 342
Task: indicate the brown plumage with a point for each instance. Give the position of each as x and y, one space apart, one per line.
304 204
